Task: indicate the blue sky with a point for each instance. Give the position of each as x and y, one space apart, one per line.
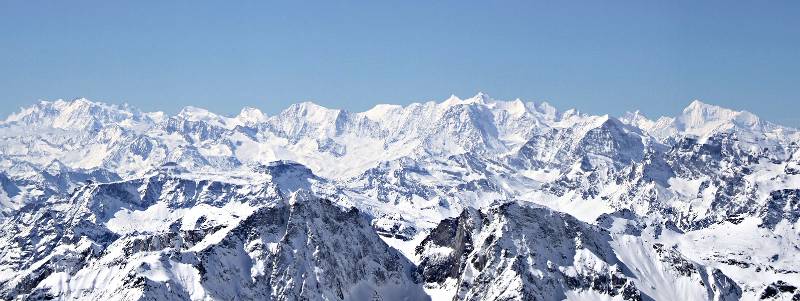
597 56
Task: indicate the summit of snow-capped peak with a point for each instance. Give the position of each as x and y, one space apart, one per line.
633 117
305 120
250 115
480 98
700 118
78 113
196 113
310 111
192 113
515 107
704 120
308 106
547 109
381 111
451 101
637 119
583 125
570 113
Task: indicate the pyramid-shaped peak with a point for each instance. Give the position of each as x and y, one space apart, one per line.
480 98
452 100
700 109
698 105
698 112
307 112
702 119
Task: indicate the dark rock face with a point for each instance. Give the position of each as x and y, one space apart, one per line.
306 250
495 255
614 140
330 146
718 285
780 290
605 221
783 205
454 233
301 247
725 288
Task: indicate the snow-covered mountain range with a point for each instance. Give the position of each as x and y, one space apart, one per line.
463 199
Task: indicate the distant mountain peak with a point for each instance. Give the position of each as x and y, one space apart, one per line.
480 99
702 119
309 106
195 112
250 115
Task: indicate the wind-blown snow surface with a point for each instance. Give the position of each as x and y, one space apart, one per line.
464 199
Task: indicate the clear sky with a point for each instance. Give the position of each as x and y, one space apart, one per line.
597 56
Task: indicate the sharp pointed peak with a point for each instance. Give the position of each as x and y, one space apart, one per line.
479 98
519 103
452 100
483 96
310 112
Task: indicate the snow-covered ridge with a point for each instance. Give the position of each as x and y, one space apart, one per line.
126 140
129 141
703 120
698 118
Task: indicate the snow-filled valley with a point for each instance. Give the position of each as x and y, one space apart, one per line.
460 199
